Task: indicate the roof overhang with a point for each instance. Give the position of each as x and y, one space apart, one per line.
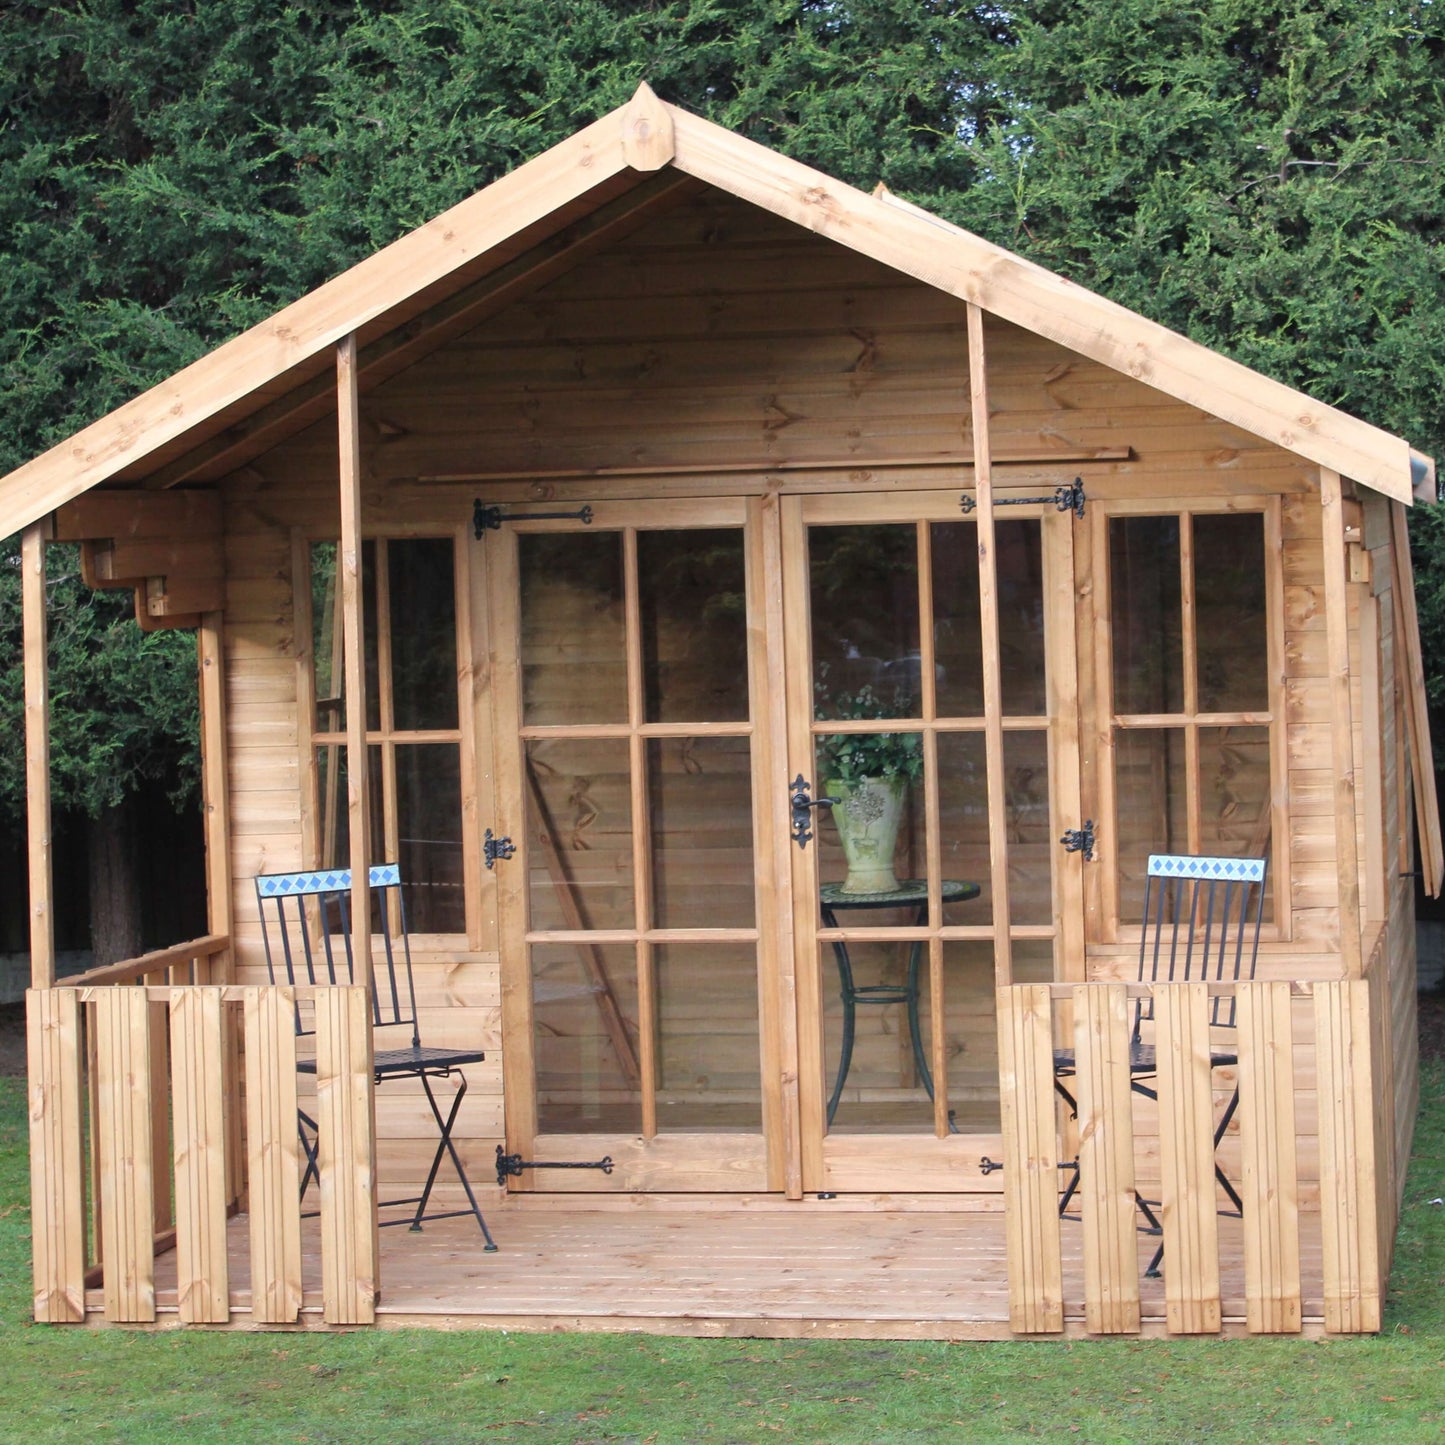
598 168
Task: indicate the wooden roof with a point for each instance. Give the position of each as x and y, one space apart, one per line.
516 233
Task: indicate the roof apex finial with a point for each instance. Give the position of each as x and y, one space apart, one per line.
647 138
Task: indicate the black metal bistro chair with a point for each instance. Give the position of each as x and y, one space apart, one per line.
1202 920
306 926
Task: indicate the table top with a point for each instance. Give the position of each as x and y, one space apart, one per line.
909 891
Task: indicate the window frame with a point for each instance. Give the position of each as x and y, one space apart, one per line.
1111 928
470 644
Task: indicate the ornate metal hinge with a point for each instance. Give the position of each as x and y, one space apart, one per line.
802 806
510 1166
495 850
1065 499
487 518
1081 840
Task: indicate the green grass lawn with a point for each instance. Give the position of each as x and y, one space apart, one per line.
429 1388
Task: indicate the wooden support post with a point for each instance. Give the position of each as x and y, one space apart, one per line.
1270 1187
123 1127
1337 645
273 1156
348 425
988 629
1186 1160
37 757
1030 1157
57 1182
1352 1282
346 1128
198 1055
1106 1159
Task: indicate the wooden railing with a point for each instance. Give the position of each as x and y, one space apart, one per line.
202 960
1179 1161
135 1117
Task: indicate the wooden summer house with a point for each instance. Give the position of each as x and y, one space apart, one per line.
563 554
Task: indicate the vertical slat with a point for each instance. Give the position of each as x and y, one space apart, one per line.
348 422
203 1289
1337 650
345 1102
273 1155
988 630
1186 1159
123 1072
1347 1156
1030 1156
57 1179
1269 1182
37 756
1106 1159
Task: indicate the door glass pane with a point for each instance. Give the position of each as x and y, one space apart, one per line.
1231 625
429 825
871 842
579 832
1145 614
326 655
423 632
584 1004
700 794
334 817
573 646
879 1079
963 824
1020 564
708 1061
1149 783
1031 842
864 588
693 607
971 1035
1234 794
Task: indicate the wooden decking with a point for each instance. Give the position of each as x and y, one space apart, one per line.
761 1268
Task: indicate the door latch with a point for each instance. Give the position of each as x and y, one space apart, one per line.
802 806
495 850
1081 840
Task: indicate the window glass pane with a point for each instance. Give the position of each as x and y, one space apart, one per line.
1149 782
579 834
429 827
584 1009
423 632
700 794
574 654
708 1063
326 660
1231 627
880 1082
963 824
1234 794
864 587
1145 614
333 817
693 607
369 635
970 1034
871 841
957 638
1020 564
1031 843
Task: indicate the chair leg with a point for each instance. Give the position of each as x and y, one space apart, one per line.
445 1144
310 1147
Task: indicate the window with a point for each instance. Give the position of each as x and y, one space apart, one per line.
413 725
1195 720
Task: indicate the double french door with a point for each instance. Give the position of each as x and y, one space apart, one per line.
698 984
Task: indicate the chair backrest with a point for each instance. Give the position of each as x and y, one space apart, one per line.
306 929
1202 919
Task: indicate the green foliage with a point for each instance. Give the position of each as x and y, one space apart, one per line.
850 757
123 702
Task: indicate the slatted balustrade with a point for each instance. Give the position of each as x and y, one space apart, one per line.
1175 1168
142 1070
